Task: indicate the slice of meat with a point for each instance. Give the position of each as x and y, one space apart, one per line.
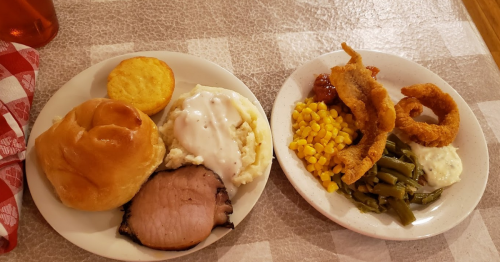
176 210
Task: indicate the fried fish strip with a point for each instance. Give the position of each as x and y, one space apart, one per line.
442 104
374 112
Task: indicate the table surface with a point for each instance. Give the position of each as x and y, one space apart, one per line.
262 42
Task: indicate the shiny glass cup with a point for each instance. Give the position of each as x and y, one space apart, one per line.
29 22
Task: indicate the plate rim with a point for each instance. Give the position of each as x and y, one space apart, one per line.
151 53
375 234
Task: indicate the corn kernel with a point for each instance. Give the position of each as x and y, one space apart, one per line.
307 117
300 154
339 139
335 132
307 110
329 149
295 114
295 126
328 135
322 113
300 118
322 106
319 147
293 146
312 160
310 167
313 133
306 131
310 139
339 119
344 124
332 187
318 166
327 120
344 134
348 141
334 113
329 127
302 142
325 177
300 148
340 146
315 116
321 133
315 127
309 151
337 169
313 106
317 139
322 160
348 130
300 106
302 123
325 183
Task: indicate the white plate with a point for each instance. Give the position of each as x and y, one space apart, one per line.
97 232
457 201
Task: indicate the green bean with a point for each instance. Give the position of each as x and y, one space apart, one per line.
426 198
400 145
371 179
385 152
391 147
345 187
382 200
365 199
373 170
388 178
404 212
389 190
402 178
413 158
337 180
400 166
365 208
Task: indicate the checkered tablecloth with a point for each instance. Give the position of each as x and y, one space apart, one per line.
262 42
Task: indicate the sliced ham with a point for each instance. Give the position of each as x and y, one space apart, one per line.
176 210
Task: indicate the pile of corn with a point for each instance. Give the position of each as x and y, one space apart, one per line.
320 132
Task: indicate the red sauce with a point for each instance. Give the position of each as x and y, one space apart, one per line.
324 90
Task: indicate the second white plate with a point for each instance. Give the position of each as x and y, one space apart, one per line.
457 201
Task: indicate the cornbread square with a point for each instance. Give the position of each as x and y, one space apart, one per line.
145 82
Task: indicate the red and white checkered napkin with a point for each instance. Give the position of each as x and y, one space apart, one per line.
18 72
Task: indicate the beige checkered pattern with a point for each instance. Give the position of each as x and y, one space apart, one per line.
262 42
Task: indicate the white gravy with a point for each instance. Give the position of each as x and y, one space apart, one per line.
203 129
442 165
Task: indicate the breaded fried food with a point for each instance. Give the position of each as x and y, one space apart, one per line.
442 104
145 82
374 112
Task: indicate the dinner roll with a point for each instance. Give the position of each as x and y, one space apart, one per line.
145 82
98 156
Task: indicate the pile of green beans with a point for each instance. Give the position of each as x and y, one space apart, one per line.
391 183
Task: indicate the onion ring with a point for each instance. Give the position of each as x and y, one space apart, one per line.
442 104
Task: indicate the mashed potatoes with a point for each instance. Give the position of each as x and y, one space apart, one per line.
220 129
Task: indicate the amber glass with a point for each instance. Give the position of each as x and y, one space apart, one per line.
29 22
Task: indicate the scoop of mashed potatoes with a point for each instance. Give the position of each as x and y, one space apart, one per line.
216 127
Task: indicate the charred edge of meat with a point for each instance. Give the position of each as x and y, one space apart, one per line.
222 192
124 228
